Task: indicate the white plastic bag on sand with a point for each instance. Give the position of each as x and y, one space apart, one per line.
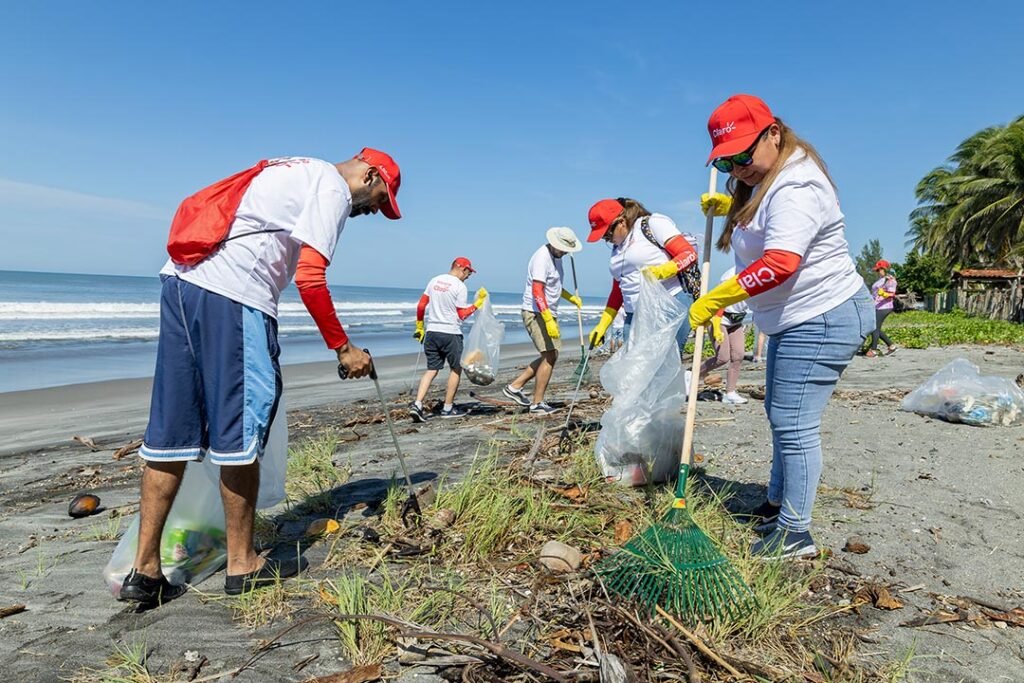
642 433
483 346
960 393
193 545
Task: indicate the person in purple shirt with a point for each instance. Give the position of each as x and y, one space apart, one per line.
884 292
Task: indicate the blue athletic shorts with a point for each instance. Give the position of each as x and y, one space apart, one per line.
217 381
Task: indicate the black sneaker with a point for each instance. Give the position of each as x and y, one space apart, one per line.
417 413
147 590
765 513
516 395
783 544
541 408
453 412
269 574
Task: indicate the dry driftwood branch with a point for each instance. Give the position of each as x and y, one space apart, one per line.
496 649
700 644
127 449
12 610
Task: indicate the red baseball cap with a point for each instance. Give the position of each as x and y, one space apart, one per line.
736 123
463 262
389 173
601 216
882 263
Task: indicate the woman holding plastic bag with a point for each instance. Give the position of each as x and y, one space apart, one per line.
640 239
793 263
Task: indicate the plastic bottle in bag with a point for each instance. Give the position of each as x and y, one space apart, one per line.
482 350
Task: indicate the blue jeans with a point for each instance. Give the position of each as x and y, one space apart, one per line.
804 364
682 334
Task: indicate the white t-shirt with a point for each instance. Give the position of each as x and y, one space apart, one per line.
547 269
447 294
636 251
306 200
800 214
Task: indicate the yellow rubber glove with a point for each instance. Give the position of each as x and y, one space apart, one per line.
717 202
420 332
703 309
481 294
663 271
597 334
572 298
716 329
550 324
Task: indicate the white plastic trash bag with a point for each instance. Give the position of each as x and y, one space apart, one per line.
642 433
483 346
194 544
960 393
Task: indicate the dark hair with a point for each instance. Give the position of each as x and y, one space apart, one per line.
631 210
744 198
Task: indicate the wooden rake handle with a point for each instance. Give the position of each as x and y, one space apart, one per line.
698 342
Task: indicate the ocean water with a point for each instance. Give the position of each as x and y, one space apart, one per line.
61 328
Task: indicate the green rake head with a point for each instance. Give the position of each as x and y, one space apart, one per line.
674 565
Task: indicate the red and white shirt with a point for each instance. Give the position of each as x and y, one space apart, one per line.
799 214
636 251
447 295
306 200
544 268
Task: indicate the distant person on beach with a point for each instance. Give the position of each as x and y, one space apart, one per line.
445 304
884 293
540 310
218 381
640 239
795 272
729 352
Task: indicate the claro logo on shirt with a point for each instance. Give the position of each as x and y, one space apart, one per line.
758 279
727 128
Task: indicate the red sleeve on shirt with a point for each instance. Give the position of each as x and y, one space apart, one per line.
466 312
311 281
538 296
681 251
769 271
615 298
421 307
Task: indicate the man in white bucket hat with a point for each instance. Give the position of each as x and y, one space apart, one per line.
540 308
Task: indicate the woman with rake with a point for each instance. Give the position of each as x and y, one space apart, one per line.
640 239
793 263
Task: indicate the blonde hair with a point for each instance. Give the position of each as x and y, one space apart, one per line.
745 199
631 211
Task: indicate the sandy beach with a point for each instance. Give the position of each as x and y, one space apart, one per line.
938 504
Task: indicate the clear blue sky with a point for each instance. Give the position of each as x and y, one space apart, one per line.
505 118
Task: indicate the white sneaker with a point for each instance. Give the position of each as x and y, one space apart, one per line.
733 398
688 374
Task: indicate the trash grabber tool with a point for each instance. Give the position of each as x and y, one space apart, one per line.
582 367
415 371
411 507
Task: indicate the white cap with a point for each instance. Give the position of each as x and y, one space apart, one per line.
564 239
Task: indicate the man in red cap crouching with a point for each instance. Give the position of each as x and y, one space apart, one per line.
234 247
445 304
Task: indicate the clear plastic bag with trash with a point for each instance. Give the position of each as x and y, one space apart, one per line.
641 435
960 393
194 544
483 346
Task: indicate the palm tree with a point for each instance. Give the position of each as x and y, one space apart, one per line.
971 210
